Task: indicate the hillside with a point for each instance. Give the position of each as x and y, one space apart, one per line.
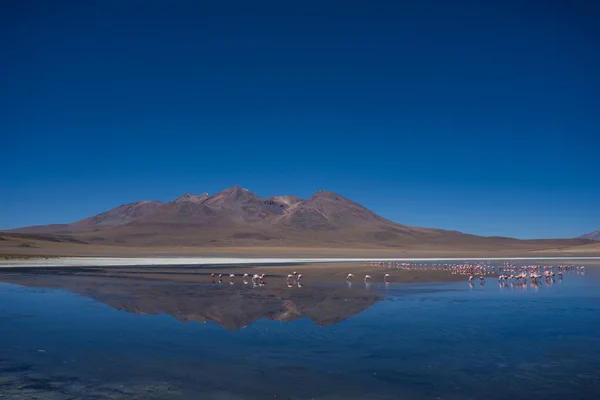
236 217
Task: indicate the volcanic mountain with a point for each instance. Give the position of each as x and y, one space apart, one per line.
237 216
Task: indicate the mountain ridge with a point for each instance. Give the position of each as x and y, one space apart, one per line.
237 217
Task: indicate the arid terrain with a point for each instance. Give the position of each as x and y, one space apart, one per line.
238 222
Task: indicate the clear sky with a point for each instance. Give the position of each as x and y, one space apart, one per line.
480 116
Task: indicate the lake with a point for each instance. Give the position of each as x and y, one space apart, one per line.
76 337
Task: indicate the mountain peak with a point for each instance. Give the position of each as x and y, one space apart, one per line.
235 191
327 195
232 195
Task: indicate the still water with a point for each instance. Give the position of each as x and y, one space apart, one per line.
72 338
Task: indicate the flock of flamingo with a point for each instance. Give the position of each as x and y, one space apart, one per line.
258 279
505 273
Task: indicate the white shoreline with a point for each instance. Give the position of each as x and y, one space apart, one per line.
166 261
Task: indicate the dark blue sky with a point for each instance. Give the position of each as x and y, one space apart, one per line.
458 115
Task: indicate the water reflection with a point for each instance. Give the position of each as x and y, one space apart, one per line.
424 341
232 307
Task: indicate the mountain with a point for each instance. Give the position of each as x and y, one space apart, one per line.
238 217
592 236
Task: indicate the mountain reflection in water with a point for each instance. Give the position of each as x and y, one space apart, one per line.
426 341
230 306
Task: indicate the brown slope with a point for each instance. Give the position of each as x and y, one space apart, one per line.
117 216
178 214
328 210
331 218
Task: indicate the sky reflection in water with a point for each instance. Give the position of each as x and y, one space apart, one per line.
417 341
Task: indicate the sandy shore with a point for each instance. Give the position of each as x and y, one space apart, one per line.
173 261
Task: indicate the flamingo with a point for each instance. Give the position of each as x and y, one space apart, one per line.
349 278
386 277
245 279
367 278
